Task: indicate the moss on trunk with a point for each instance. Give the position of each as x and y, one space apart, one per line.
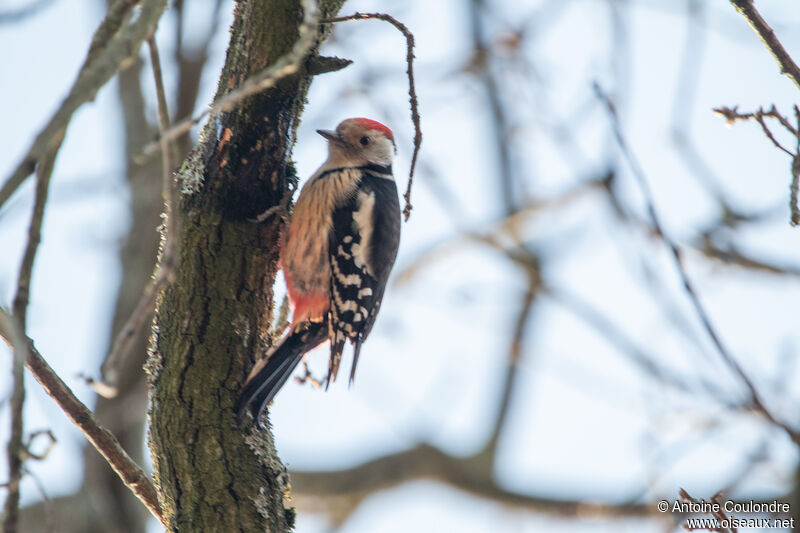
215 318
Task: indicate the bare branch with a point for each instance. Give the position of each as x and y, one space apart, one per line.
103 440
51 442
412 92
16 447
167 157
755 398
793 189
506 225
43 174
718 514
350 486
515 352
748 10
479 65
614 335
17 342
110 47
166 265
122 344
286 65
731 256
732 115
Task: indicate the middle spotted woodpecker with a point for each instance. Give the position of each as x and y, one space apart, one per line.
339 249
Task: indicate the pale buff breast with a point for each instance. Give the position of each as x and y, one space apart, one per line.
305 253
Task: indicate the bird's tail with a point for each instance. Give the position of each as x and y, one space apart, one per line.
269 375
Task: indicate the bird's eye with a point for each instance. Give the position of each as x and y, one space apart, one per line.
364 141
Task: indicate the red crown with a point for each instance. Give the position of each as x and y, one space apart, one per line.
375 125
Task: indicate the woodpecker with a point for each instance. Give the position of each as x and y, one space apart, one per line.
338 251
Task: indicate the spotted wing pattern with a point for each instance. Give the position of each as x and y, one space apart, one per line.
363 248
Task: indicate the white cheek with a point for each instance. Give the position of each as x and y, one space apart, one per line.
383 153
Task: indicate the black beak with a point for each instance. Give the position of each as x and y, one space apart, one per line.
331 135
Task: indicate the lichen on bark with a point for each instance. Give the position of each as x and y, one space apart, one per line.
214 320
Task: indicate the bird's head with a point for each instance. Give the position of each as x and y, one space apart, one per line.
358 141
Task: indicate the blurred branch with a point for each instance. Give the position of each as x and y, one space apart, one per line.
505 227
13 16
47 503
166 265
110 47
191 62
748 10
755 398
16 446
80 415
511 381
481 68
732 256
601 323
168 159
341 492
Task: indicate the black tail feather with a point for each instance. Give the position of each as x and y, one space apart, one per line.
356 353
262 387
337 347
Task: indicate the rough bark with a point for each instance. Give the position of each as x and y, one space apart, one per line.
105 504
215 318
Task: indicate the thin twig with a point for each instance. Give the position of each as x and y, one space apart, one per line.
16 447
309 377
717 511
793 188
103 440
124 341
51 442
733 115
286 65
166 265
43 174
110 47
755 398
412 92
167 158
16 340
748 10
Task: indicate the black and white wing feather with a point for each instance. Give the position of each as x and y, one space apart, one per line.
363 247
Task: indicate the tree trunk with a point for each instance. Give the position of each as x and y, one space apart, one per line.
215 319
